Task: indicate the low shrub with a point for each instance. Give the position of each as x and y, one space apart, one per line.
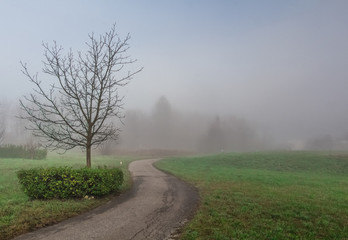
65 182
19 151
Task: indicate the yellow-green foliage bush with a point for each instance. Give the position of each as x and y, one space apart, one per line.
65 183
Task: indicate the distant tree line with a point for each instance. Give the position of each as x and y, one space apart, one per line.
168 128
20 151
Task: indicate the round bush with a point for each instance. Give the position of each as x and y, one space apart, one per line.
65 182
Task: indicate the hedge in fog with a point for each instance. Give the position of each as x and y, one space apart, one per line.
65 183
15 151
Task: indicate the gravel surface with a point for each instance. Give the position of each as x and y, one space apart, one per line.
155 208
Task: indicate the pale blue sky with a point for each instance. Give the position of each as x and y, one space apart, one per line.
282 64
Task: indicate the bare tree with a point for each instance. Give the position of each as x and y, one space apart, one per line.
2 134
2 125
78 108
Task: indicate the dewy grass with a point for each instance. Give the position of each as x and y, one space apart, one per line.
18 214
274 195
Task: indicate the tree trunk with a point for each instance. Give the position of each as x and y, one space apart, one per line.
88 156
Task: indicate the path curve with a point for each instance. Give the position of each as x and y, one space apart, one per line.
156 206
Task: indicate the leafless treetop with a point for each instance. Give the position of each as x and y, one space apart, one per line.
78 108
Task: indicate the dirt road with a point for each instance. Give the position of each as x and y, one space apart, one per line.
156 206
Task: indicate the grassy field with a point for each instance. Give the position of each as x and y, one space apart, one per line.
274 195
18 214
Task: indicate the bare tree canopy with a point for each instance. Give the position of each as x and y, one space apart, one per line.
78 109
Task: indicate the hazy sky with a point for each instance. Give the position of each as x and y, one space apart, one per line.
281 64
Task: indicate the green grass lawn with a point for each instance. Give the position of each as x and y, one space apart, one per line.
270 195
18 214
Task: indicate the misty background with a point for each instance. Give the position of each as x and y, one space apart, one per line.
218 75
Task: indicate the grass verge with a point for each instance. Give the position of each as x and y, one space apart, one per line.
270 195
18 214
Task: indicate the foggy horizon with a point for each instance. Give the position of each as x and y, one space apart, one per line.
278 66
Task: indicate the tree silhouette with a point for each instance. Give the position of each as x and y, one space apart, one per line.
78 109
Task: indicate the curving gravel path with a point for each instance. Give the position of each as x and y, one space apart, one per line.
155 208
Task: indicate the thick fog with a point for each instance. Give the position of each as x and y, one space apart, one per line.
218 75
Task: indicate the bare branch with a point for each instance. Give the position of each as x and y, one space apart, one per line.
78 108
